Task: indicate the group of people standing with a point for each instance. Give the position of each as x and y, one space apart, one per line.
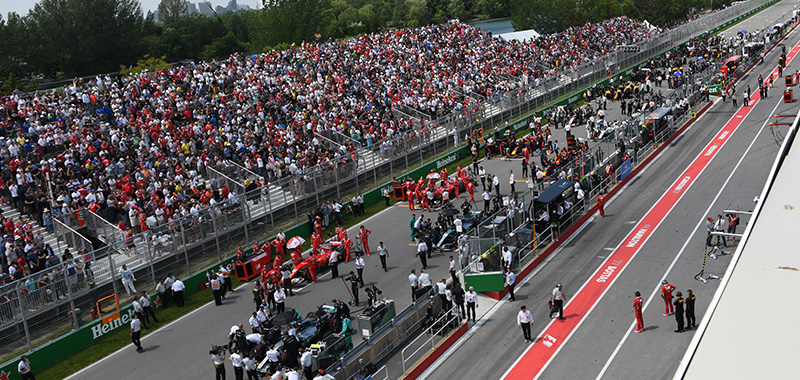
673 305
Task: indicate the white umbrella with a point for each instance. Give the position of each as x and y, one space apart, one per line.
434 175
295 242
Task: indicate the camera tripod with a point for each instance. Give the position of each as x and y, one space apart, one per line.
713 252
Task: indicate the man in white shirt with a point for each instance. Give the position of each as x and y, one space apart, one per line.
510 283
218 359
511 180
127 280
507 257
162 293
24 368
425 281
524 321
422 249
721 225
254 324
136 333
558 301
382 253
451 267
412 279
255 338
147 308
273 355
177 292
238 365
487 197
360 264
137 308
334 263
496 184
305 361
472 302
280 297
250 367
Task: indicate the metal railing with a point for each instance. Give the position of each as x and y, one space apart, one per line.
446 322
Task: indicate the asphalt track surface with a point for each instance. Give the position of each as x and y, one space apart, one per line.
180 350
595 341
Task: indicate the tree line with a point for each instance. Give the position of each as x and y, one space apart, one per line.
68 38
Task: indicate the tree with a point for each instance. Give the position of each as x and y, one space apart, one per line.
82 37
542 15
14 47
456 9
171 11
148 63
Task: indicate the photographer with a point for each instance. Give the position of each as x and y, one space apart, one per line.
218 358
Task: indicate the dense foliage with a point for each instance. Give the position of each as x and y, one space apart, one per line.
66 38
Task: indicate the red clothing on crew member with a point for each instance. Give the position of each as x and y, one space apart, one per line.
363 233
638 302
666 294
601 202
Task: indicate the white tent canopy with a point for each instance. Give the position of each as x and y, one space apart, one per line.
521 35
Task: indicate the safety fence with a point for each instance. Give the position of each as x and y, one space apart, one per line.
426 342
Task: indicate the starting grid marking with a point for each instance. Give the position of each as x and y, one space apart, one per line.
539 354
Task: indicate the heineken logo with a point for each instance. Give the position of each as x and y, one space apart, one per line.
101 329
444 161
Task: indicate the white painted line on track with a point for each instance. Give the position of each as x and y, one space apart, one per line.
686 243
438 362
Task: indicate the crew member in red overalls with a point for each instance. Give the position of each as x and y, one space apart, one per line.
471 191
348 243
312 266
318 225
239 254
638 302
410 198
278 244
363 233
601 203
666 294
267 248
316 240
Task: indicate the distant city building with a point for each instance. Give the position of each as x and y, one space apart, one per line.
208 9
205 9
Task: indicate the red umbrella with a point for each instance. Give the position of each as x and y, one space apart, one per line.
295 242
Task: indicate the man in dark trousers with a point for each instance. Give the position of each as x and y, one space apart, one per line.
690 298
679 311
510 282
258 294
558 299
216 288
458 298
136 333
355 281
